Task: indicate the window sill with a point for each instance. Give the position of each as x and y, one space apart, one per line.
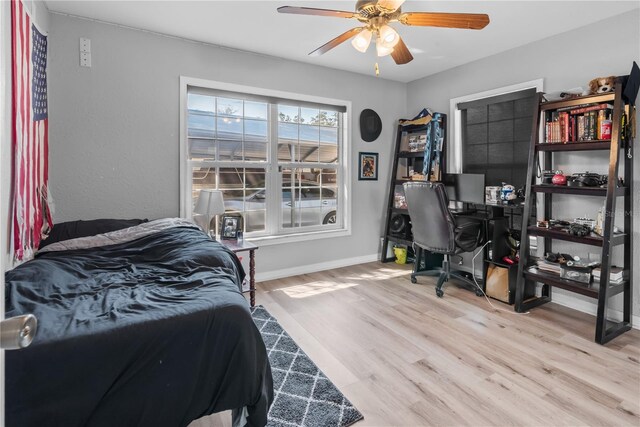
298 237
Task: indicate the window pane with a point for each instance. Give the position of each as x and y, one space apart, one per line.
310 116
308 152
201 125
255 151
229 107
244 192
329 135
328 178
255 178
328 153
315 142
288 114
202 148
202 178
288 131
229 150
229 128
328 118
255 110
309 133
203 103
314 202
287 152
231 178
254 220
255 130
250 204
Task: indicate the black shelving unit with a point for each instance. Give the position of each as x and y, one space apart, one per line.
403 161
620 148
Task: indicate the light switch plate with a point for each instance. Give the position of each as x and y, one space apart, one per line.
85 44
85 59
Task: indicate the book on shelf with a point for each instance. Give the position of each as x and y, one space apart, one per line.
616 275
591 108
551 267
589 123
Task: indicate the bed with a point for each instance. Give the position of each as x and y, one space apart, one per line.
142 326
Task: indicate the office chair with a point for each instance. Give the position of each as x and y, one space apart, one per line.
436 230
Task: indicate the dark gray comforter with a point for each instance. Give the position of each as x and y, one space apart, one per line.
152 332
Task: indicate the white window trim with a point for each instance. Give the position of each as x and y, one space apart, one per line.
344 169
454 154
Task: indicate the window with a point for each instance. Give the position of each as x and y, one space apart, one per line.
496 134
279 161
492 133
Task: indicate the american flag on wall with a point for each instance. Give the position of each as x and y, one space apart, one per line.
31 215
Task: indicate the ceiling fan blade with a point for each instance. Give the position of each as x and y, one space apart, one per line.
316 12
389 5
335 42
401 53
471 21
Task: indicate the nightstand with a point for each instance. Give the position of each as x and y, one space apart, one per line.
243 246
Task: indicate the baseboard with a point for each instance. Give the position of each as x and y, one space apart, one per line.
312 268
591 308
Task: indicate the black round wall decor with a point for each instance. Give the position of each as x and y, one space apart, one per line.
370 125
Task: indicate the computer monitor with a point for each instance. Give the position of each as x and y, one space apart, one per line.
465 187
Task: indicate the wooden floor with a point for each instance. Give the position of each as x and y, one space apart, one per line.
404 357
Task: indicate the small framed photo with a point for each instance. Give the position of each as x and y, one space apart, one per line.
368 167
230 227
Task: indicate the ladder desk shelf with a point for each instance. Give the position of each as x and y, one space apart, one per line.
416 147
620 150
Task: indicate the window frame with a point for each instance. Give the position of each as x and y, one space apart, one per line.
454 150
274 180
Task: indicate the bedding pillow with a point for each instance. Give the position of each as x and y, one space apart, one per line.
74 229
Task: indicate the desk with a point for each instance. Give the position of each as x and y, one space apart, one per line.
495 225
489 211
241 246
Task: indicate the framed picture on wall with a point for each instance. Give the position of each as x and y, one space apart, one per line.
368 166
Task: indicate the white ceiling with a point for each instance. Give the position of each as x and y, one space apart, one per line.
256 26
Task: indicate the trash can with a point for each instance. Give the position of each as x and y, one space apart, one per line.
401 254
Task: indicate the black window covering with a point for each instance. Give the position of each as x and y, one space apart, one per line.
496 133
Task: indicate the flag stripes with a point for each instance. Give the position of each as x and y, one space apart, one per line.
31 216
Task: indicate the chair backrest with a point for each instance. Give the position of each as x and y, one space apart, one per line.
432 224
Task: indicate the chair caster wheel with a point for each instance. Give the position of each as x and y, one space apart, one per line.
439 293
414 280
479 293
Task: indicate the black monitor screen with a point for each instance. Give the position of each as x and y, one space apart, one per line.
465 187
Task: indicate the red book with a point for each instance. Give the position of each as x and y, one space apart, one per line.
573 128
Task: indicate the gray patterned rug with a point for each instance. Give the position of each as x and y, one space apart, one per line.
303 395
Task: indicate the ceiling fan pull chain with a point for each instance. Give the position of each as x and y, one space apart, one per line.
377 70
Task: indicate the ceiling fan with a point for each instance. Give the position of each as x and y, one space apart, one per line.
376 16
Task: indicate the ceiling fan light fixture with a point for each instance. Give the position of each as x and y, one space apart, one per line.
362 40
382 50
388 37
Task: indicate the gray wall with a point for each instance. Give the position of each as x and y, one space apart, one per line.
115 128
564 61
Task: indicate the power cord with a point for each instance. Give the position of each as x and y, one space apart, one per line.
473 274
